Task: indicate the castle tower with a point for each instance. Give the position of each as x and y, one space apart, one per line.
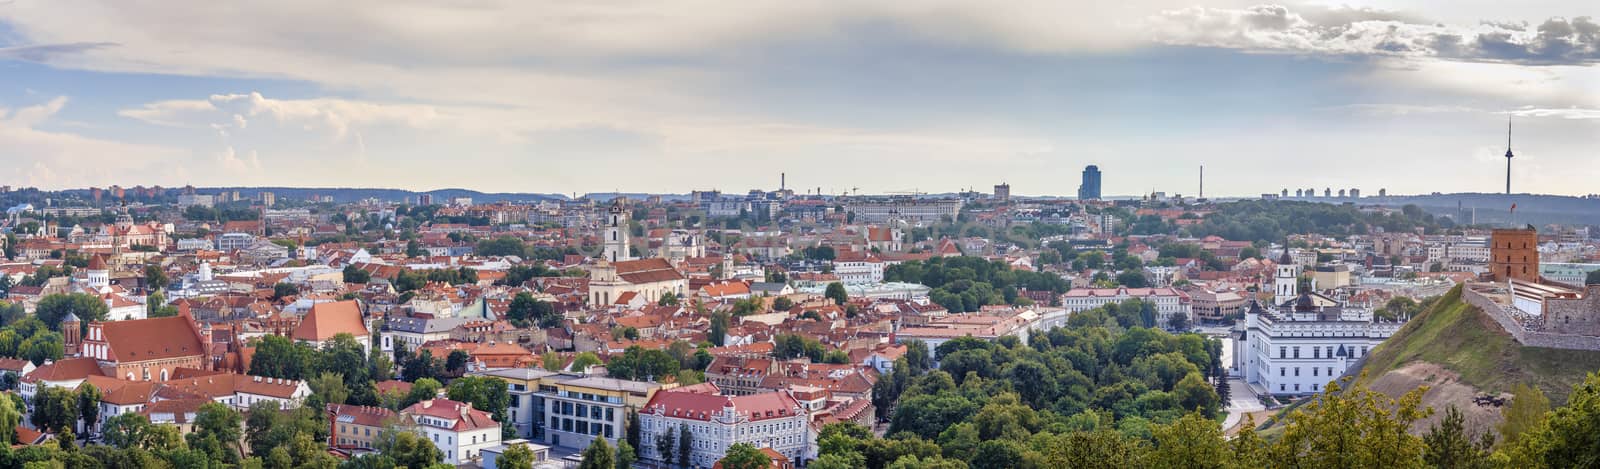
71 330
1287 281
616 233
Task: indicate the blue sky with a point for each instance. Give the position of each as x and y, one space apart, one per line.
935 96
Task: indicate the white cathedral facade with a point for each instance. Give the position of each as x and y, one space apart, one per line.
1304 339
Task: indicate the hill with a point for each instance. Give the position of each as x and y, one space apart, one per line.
1459 352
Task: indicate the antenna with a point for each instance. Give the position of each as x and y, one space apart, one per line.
1508 155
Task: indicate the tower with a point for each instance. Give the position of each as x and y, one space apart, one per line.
1089 189
1508 155
616 233
1287 280
71 338
98 274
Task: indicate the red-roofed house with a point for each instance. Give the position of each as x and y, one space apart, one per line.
772 420
459 430
327 320
145 349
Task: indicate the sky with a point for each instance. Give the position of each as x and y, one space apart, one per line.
658 96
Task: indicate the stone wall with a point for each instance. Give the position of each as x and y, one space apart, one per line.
1530 338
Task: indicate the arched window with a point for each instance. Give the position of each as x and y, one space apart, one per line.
163 375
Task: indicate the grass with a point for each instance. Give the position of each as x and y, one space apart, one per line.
1463 339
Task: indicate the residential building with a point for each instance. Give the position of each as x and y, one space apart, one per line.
1167 301
356 428
773 420
526 410
907 209
579 409
458 430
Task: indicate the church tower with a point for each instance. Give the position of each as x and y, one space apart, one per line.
616 233
1287 280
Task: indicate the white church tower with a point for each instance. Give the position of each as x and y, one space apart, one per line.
1287 281
616 233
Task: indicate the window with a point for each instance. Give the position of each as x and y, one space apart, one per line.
1313 372
1316 352
1283 352
1297 387
1297 372
1297 352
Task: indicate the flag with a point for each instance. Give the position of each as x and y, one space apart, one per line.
1513 208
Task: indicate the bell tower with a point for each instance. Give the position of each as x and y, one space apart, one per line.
616 233
1287 280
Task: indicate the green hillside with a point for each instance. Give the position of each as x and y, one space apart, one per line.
1461 338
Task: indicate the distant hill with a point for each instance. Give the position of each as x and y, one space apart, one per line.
1537 209
1458 351
349 194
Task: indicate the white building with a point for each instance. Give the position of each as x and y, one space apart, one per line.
235 241
910 210
1168 301
1304 341
616 233
458 430
772 420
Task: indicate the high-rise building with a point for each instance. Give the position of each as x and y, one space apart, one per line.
1089 189
425 199
268 199
1002 192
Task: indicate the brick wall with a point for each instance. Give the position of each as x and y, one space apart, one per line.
1530 338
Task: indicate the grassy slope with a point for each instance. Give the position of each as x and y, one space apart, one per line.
1461 338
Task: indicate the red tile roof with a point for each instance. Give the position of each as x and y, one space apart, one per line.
466 418
329 319
704 407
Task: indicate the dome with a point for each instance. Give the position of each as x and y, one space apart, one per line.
1305 303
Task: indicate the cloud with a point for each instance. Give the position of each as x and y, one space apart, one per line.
62 159
1567 113
229 160
1322 30
44 53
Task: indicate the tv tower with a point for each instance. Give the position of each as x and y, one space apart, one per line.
1508 155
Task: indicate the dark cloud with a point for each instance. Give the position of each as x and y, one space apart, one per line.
47 52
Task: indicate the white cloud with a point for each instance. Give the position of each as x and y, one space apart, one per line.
57 159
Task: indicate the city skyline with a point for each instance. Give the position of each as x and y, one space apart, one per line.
932 97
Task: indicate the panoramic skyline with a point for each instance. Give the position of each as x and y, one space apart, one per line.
1410 96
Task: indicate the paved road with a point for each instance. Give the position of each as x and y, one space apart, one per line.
1240 401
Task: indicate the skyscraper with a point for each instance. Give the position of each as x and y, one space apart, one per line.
1090 188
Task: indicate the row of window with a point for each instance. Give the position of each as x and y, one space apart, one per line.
592 412
582 427
1314 370
1316 352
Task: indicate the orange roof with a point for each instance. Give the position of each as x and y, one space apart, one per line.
330 319
650 270
151 339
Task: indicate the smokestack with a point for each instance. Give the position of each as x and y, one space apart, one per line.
783 180
1202 181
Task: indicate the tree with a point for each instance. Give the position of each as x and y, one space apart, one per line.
598 456
155 277
1593 277
217 430
54 409
1449 445
666 442
1354 427
10 419
1570 435
353 274
515 457
668 299
635 437
278 357
1133 279
87 308
456 362
129 430
685 445
89 405
1192 441
1525 412
584 360
283 289
408 449
330 386
626 455
718 334
836 292
488 394
745 456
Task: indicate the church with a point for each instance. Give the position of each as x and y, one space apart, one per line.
1304 339
618 278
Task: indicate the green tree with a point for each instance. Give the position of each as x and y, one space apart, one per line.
1450 446
515 457
626 455
87 308
1354 427
282 289
330 387
1193 441
129 430
217 430
1570 436
1525 412
745 456
598 456
408 449
155 277
685 445
10 419
485 393
353 274
835 291
584 360
89 405
54 409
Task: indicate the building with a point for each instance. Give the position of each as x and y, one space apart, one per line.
773 420
579 409
235 241
356 428
327 320
1215 306
1002 192
1089 189
268 199
1167 301
143 349
616 245
650 278
413 332
1296 346
1514 254
1568 273
907 209
458 430
526 410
